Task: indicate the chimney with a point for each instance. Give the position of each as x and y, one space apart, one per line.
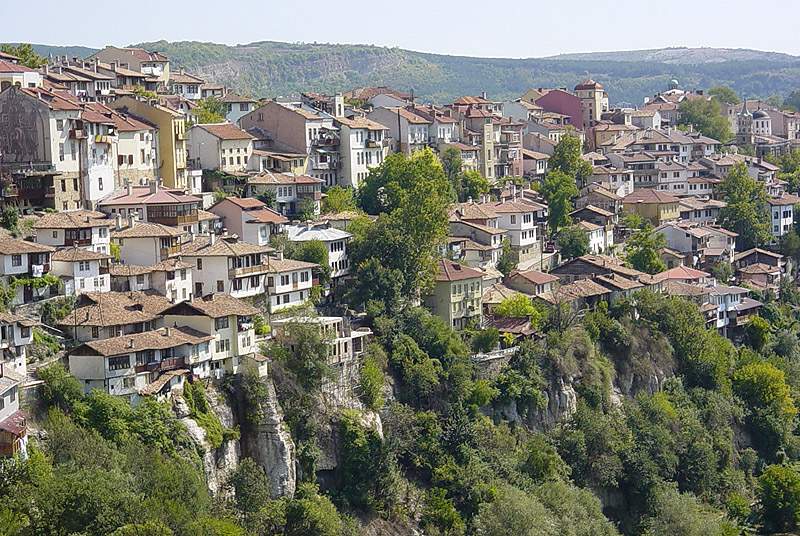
129 187
131 219
118 220
513 192
469 200
483 95
212 239
153 186
131 343
167 331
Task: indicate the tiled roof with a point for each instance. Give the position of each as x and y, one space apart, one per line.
679 288
269 177
617 282
584 288
474 211
596 210
680 273
225 131
75 219
265 215
759 268
76 254
534 276
243 202
497 293
201 246
588 226
784 200
288 265
184 78
219 305
361 122
128 270
8 67
649 195
233 98
302 233
742 254
13 246
452 271
143 195
144 229
159 339
116 308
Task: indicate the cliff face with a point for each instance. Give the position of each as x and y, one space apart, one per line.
218 463
269 443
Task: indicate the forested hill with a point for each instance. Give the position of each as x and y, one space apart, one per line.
270 68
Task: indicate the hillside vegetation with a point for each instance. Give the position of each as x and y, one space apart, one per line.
269 68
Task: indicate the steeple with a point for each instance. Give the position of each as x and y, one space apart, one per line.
745 111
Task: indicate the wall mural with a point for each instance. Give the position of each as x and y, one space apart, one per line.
24 129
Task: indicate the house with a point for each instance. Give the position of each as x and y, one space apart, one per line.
734 308
13 424
85 229
494 295
404 125
294 194
171 138
581 294
23 262
16 334
559 101
137 151
600 197
591 266
105 315
278 162
237 106
220 147
250 219
184 84
685 274
81 270
758 256
289 282
15 74
596 236
702 244
153 64
655 206
488 241
82 78
335 240
230 323
594 101
617 180
296 128
171 278
153 204
700 210
781 210
226 265
146 243
139 364
534 164
761 276
517 218
531 282
363 144
457 295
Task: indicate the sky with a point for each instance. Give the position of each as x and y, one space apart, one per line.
494 28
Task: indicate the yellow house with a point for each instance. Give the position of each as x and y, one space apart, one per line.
171 137
457 296
653 205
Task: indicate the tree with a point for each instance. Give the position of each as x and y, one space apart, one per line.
452 165
707 117
722 271
567 158
311 251
339 199
440 516
514 513
757 333
250 486
681 514
485 340
643 250
518 306
473 185
572 242
793 101
558 189
507 262
746 212
27 56
790 245
9 218
210 110
372 377
724 94
311 513
779 494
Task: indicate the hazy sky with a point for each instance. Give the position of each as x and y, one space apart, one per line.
507 28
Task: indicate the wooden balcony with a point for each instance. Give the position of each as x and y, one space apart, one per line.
248 270
77 241
167 252
174 220
164 365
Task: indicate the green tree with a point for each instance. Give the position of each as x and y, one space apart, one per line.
514 513
746 212
210 110
311 251
572 242
372 377
792 101
567 158
722 271
724 94
779 494
485 340
681 514
440 516
312 513
27 56
250 486
757 333
452 165
9 218
643 248
339 199
473 185
706 116
507 262
518 306
558 190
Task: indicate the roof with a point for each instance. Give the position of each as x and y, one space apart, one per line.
159 339
485 228
748 303
648 196
76 254
534 276
673 287
144 195
302 233
759 268
13 246
474 211
278 266
617 282
742 254
269 177
116 308
588 226
584 288
201 246
681 272
597 210
233 97
724 290
361 122
128 270
225 131
447 270
184 78
8 67
143 55
265 215
216 306
783 200
512 207
75 219
144 229
588 84
497 293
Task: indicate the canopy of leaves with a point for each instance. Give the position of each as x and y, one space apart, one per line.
746 212
643 250
572 242
210 110
706 116
558 189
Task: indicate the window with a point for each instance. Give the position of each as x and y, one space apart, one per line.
119 363
199 264
61 152
16 260
140 279
304 277
183 274
129 382
221 323
220 286
60 124
103 232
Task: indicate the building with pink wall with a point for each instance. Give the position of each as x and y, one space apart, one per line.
562 102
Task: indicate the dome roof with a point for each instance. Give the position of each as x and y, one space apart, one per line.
760 114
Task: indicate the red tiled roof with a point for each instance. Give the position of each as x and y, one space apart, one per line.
141 195
452 271
225 131
649 195
8 67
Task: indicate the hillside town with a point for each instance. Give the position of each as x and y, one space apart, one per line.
162 231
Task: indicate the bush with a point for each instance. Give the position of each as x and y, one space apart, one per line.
779 492
485 340
371 377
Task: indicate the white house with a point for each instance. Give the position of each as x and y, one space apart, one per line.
16 333
289 282
104 315
147 243
335 241
249 218
20 259
220 146
81 270
782 214
518 220
293 193
363 144
78 228
237 106
596 235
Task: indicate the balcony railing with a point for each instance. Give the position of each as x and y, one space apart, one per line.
10 191
171 363
246 270
77 241
174 220
172 250
77 134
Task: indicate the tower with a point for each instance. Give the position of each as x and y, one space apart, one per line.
744 126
